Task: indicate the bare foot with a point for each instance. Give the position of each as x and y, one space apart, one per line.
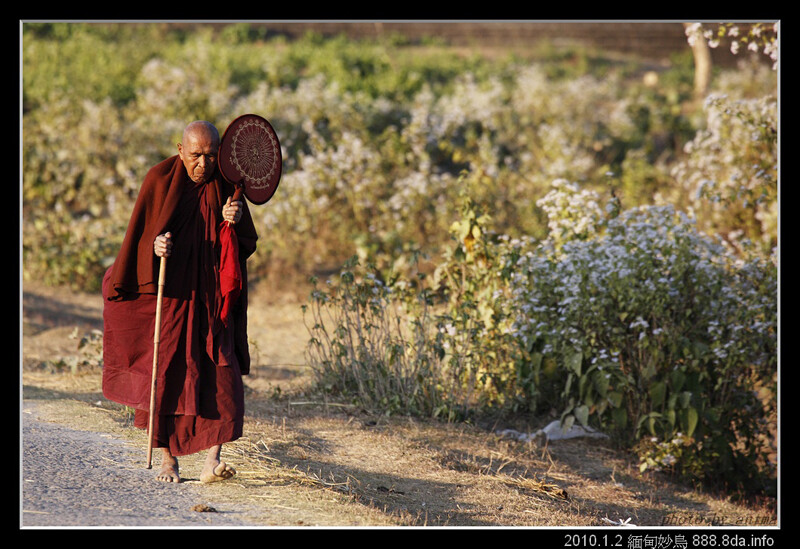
169 468
215 470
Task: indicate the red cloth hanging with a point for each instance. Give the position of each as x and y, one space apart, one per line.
230 274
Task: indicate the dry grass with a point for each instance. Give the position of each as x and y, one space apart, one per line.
307 461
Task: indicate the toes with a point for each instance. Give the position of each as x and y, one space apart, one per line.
168 476
224 470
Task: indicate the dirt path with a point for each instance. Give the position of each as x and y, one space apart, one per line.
83 478
304 461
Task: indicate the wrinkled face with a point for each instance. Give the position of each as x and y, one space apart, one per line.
199 153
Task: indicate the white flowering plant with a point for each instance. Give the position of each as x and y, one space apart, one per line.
652 328
663 455
729 173
757 37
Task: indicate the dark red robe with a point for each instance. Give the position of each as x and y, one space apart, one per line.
201 358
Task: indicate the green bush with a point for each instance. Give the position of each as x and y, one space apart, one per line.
437 346
653 330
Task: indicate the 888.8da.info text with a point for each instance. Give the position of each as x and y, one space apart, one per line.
668 540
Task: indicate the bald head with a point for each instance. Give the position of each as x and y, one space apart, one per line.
199 129
198 150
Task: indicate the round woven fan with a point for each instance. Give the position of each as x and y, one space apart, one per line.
250 158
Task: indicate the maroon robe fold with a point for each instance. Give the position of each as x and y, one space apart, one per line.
230 273
199 390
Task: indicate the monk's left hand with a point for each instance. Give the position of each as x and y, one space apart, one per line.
232 211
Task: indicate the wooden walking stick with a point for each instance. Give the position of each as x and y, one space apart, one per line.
156 338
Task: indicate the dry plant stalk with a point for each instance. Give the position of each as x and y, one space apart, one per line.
535 485
270 469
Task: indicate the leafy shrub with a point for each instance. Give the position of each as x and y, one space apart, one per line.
435 345
654 330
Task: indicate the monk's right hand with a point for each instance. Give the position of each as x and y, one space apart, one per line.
163 245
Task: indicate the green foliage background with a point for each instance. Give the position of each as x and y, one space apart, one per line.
375 135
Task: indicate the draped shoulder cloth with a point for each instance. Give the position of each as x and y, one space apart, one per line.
135 270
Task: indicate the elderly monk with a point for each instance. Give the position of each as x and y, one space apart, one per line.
183 211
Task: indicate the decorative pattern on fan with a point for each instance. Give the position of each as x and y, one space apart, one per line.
255 152
250 158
